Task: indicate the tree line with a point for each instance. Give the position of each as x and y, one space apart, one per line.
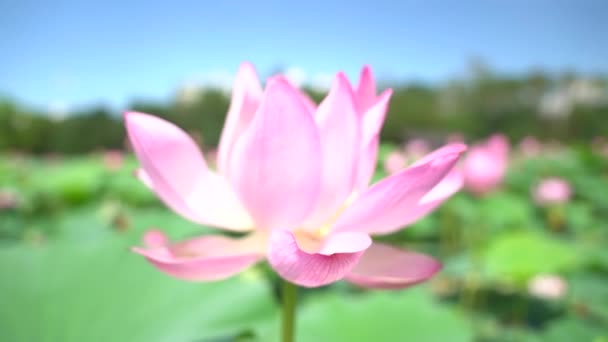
566 107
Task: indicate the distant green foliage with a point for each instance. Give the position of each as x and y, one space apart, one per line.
476 106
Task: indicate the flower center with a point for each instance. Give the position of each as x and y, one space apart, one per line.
311 240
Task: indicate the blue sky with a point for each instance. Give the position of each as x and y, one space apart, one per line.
76 53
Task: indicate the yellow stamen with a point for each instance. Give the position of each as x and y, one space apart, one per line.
320 233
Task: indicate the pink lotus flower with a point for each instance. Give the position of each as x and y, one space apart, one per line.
530 147
485 165
113 160
294 177
454 138
599 146
552 191
8 199
548 286
394 162
416 148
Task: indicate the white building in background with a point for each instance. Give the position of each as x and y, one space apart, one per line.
296 75
560 102
321 82
195 86
555 104
58 110
188 93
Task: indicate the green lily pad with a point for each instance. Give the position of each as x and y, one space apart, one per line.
501 210
72 182
517 256
570 329
410 315
579 216
589 292
102 292
124 186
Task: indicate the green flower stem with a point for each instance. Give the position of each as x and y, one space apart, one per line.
289 297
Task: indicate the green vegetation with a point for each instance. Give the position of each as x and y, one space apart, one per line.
574 106
66 225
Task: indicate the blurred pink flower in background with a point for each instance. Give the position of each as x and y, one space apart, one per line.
394 162
553 147
599 146
211 157
547 286
551 191
155 238
295 177
455 138
8 199
530 147
113 160
485 166
416 149
53 158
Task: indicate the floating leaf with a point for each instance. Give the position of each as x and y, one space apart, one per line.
570 329
410 315
590 293
517 256
102 292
